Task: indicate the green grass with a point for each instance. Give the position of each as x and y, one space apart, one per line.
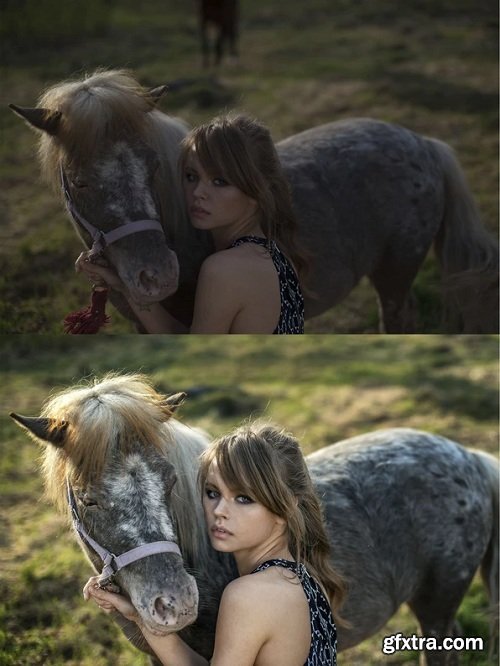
431 66
322 388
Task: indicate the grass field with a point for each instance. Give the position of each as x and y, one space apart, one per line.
428 65
323 388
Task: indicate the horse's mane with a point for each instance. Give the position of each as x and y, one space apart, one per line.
109 106
125 409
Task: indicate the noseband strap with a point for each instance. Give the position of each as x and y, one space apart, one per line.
113 563
100 238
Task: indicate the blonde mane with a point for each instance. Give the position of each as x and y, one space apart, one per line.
116 412
105 107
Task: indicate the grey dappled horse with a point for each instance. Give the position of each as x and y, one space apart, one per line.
411 516
371 199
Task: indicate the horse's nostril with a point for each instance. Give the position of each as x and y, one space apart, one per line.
170 612
148 281
165 611
160 606
147 278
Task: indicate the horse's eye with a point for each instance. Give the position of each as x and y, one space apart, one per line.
79 182
86 499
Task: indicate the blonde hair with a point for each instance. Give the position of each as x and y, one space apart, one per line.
240 150
267 464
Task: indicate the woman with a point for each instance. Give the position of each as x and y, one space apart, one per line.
234 188
260 505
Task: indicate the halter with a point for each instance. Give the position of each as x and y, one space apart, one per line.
100 238
113 563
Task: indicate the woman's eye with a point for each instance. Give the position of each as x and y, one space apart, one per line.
190 177
244 499
220 182
211 494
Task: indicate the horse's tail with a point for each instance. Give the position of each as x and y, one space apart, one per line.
490 563
467 252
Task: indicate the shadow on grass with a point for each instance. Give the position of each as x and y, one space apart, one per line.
425 367
436 94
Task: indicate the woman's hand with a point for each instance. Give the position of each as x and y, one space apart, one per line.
108 601
100 275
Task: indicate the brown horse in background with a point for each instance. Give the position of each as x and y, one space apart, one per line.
223 15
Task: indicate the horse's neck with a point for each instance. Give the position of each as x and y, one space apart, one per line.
212 570
191 245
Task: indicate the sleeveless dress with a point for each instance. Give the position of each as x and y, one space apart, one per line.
323 651
292 302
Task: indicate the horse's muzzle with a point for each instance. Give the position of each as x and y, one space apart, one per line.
149 284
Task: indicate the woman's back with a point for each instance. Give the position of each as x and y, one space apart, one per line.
291 302
271 618
322 634
263 621
248 289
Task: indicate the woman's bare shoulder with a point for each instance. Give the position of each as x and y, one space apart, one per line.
269 589
238 257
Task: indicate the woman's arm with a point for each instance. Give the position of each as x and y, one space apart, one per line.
217 300
156 319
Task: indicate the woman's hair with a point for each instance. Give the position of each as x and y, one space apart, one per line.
241 150
267 464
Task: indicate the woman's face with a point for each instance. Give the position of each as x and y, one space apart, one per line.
235 522
213 203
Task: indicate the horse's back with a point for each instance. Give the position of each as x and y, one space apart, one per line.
406 482
401 507
401 460
363 190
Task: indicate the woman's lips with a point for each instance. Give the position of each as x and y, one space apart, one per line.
220 532
196 211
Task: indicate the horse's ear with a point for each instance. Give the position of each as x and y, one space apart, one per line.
157 93
49 430
173 402
43 119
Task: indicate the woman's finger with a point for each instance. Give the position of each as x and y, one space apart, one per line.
109 601
89 585
81 262
97 273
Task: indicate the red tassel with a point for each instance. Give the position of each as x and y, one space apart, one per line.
92 318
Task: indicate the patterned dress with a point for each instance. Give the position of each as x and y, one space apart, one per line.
323 651
292 302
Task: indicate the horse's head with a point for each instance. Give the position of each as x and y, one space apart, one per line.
110 442
115 159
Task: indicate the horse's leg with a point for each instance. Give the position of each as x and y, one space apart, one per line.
205 46
435 607
219 45
397 306
232 29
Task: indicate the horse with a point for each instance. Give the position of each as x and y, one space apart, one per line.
410 515
223 14
371 198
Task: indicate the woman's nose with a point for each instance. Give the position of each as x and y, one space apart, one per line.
221 508
200 190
